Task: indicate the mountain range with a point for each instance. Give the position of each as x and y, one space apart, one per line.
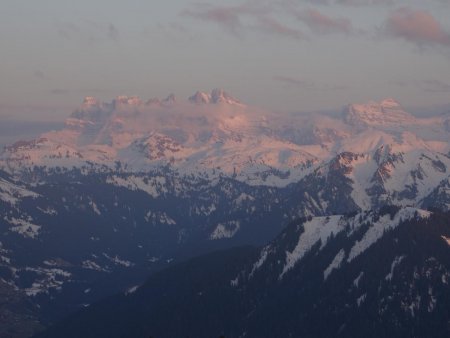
127 188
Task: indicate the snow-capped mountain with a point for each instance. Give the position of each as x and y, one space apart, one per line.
387 112
216 134
129 186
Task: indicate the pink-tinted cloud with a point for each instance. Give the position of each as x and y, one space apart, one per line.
416 26
324 24
273 26
227 17
365 2
351 2
240 18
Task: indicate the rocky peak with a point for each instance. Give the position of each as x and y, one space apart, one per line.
90 101
121 101
200 97
170 99
91 110
388 111
220 96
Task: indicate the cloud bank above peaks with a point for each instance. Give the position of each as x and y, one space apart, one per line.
238 19
416 26
280 18
302 20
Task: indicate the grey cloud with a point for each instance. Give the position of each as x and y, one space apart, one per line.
87 30
275 27
436 86
288 81
39 74
429 85
67 30
350 2
113 33
324 24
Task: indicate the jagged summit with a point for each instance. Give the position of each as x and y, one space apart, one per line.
153 102
91 109
220 96
170 99
92 105
200 97
390 102
90 101
388 111
217 96
127 101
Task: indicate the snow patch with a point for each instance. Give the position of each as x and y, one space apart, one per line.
318 229
358 279
154 186
262 258
361 299
116 260
91 265
433 301
95 208
397 260
225 230
159 218
335 264
131 290
23 227
12 193
48 279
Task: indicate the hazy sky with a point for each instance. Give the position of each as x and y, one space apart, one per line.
289 55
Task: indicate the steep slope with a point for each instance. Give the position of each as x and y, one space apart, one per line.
371 274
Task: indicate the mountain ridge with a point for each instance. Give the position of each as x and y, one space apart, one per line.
397 286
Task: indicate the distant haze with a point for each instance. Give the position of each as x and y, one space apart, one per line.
13 130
